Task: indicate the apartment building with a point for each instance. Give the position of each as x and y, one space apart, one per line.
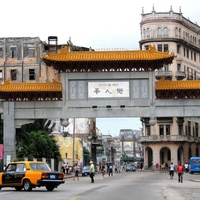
171 139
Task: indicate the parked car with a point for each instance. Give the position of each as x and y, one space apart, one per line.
130 167
86 170
30 174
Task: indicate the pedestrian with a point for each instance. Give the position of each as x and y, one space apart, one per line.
92 171
157 166
67 168
162 168
180 170
110 170
116 168
166 167
186 167
81 167
141 165
171 170
63 167
119 168
103 170
76 172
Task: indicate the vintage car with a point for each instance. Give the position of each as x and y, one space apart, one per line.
29 174
86 170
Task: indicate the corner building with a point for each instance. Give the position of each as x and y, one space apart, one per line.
171 139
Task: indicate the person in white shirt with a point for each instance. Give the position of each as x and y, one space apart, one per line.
171 170
186 167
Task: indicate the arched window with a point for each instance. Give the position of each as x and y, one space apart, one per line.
165 32
148 32
176 32
144 33
183 34
159 32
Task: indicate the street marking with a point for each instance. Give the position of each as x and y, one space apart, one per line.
74 198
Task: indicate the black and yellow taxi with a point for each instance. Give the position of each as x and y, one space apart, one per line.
30 174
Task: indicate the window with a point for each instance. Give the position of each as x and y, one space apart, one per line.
163 47
195 57
159 47
161 129
167 128
176 32
13 52
165 32
178 46
148 33
1 52
189 128
13 74
180 129
148 129
31 74
20 168
159 32
144 33
166 47
178 67
1 74
187 53
31 52
196 130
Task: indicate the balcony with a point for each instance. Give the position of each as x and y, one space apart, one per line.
166 74
180 75
171 138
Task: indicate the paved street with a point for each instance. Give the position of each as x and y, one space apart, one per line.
143 185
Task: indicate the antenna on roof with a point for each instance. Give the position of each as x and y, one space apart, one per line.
153 9
180 10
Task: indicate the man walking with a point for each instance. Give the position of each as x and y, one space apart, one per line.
180 170
92 171
171 170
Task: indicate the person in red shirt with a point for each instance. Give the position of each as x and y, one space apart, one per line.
180 170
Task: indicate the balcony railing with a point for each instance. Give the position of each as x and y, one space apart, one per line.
180 75
166 74
174 138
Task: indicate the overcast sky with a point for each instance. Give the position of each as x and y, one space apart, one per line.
96 23
100 24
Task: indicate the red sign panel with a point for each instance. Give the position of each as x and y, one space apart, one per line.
1 151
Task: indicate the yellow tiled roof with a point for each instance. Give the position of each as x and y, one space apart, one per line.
177 85
83 56
31 87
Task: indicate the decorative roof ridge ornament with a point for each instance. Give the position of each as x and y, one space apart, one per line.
152 48
7 82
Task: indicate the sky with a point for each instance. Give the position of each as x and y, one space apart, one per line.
100 24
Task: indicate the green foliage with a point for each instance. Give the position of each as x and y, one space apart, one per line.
124 155
33 140
86 156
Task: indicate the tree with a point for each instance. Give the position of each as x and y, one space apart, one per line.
33 140
86 156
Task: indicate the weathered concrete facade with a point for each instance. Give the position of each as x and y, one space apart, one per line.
20 60
172 138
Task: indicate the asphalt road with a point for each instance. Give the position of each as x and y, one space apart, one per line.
142 185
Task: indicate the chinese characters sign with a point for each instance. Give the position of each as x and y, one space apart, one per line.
108 89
